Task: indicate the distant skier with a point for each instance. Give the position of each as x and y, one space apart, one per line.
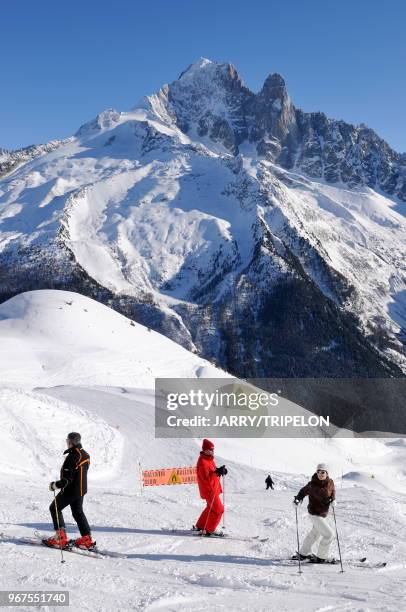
208 480
269 482
73 485
321 494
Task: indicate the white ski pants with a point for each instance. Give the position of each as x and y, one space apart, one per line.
319 538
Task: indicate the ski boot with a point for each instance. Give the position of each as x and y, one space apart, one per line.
195 528
214 534
298 556
59 540
316 559
84 542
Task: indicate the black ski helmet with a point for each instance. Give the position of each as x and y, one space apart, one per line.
74 437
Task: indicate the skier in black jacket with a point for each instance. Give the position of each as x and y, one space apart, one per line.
73 485
269 482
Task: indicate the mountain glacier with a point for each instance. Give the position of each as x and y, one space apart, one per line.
268 240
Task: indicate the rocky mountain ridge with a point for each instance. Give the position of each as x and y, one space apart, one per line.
266 239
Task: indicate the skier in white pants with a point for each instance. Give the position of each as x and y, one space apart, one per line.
321 492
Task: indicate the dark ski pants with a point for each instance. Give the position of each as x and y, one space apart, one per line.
269 486
61 501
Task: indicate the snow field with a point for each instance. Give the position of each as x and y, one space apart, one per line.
53 338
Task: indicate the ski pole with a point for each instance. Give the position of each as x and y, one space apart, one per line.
208 514
224 502
338 541
59 528
298 545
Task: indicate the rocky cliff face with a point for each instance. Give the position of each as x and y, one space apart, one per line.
264 238
212 99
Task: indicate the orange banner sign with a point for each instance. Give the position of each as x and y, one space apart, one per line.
169 476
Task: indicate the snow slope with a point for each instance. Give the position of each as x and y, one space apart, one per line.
31 435
58 337
160 570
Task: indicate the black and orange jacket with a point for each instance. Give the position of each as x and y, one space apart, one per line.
74 471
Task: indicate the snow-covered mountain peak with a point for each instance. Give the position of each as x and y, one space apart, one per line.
205 70
206 103
207 211
201 64
104 120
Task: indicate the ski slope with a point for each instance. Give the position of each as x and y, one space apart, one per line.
83 366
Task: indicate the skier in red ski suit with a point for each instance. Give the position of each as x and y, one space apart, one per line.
208 480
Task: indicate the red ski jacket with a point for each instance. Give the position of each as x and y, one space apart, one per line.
207 479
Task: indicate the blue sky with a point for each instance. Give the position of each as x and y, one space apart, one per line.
63 61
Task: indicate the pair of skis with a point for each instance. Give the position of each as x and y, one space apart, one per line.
362 562
38 540
216 535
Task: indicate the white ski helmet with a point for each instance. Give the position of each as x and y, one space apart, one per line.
322 466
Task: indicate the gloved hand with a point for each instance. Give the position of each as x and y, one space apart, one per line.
52 486
297 501
221 471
